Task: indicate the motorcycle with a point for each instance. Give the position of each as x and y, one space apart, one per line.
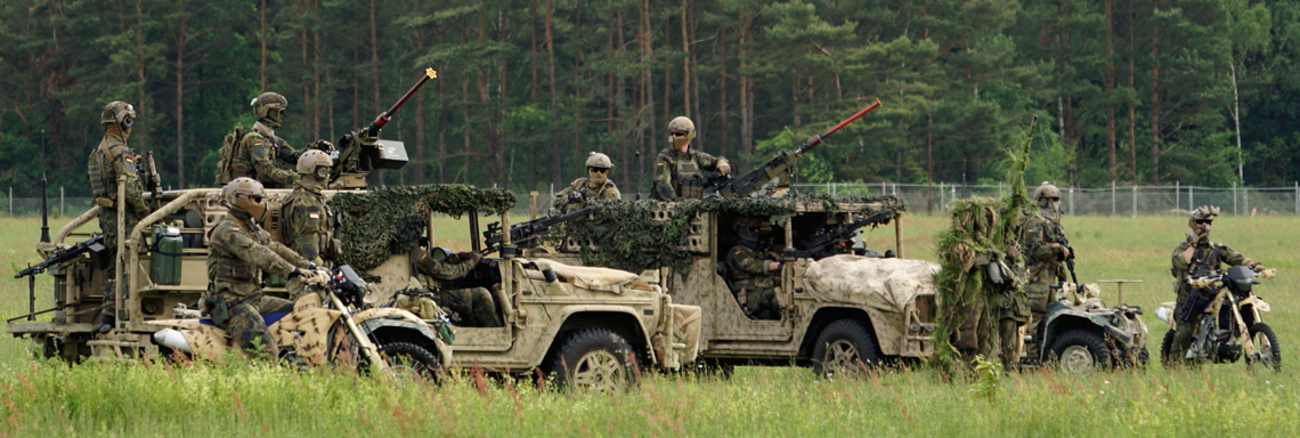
1230 327
323 329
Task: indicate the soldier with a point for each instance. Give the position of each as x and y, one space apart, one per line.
239 251
307 222
752 275
253 153
680 163
113 158
596 186
1044 253
1198 256
473 306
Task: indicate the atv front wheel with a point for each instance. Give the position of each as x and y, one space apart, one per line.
1270 353
844 346
593 358
1080 351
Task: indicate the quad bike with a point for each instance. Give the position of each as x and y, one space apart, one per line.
322 329
1227 310
1080 333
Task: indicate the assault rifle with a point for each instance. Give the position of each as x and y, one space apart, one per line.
1057 235
95 244
361 151
1195 301
781 167
526 234
152 182
833 241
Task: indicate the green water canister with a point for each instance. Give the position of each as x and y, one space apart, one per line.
165 255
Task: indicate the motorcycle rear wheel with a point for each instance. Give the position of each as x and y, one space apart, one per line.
1166 345
1270 353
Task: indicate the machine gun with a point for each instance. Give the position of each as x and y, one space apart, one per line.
95 244
780 167
526 234
361 151
833 241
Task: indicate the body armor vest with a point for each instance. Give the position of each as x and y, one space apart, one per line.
692 180
103 178
224 267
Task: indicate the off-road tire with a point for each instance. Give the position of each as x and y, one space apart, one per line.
844 346
1165 346
1080 351
1260 333
595 359
407 359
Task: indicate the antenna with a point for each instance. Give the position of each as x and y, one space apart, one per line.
45 183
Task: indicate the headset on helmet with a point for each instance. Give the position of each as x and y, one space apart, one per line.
118 113
266 101
245 194
315 162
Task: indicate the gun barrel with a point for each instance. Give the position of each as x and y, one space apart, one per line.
383 118
847 121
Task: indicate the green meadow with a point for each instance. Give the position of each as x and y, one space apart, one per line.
39 398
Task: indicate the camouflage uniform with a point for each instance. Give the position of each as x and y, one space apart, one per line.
1046 260
239 251
583 186
256 154
1205 254
748 272
474 306
112 157
674 166
306 228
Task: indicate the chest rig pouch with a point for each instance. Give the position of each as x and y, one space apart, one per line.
692 180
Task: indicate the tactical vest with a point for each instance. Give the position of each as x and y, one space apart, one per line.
691 179
102 174
324 224
230 148
224 267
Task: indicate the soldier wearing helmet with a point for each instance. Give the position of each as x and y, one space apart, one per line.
596 186
1045 254
1198 256
109 160
240 251
679 170
306 228
752 275
256 150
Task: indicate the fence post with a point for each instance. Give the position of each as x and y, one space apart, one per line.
62 212
1177 201
1112 198
1071 201
1245 201
954 191
895 190
1135 200
1191 201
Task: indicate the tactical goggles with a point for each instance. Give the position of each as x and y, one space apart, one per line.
1204 221
680 133
598 169
255 198
1054 198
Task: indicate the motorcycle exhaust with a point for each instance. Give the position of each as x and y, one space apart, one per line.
172 339
1163 314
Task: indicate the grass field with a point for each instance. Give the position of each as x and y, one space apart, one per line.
45 399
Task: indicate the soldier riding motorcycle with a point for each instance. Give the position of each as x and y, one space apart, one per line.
322 329
1226 311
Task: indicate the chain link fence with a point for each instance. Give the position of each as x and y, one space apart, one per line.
932 199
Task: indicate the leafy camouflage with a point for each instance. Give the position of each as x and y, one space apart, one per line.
381 222
638 242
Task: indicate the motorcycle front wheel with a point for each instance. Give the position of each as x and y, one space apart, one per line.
1266 346
407 360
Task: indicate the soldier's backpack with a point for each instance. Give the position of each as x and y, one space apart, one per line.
229 150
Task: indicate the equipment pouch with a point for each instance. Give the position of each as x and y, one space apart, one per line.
104 202
1193 303
220 311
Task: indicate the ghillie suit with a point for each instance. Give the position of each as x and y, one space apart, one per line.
635 236
980 281
378 223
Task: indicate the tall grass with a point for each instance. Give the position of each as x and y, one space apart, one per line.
39 398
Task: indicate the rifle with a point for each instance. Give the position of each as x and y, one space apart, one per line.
526 234
832 242
1057 235
152 182
1196 301
780 167
360 151
95 244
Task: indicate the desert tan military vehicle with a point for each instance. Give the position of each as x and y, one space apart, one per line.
164 275
841 306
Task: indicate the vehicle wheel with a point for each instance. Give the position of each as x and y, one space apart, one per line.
1270 353
1144 356
1079 351
844 346
411 362
595 359
1165 346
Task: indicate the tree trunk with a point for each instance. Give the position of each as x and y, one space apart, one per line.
1110 92
180 98
442 124
1132 106
627 149
550 52
532 51
262 21
420 163
647 90
668 76
1155 99
694 85
722 91
140 130
686 66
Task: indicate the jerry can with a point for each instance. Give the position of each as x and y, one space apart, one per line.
165 255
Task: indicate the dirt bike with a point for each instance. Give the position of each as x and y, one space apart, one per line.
322 329
1230 327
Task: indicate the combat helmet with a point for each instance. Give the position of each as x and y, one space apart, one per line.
269 108
681 124
244 194
599 161
118 113
315 162
1204 212
1047 190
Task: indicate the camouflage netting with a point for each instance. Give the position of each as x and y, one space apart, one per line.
627 238
982 228
377 223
